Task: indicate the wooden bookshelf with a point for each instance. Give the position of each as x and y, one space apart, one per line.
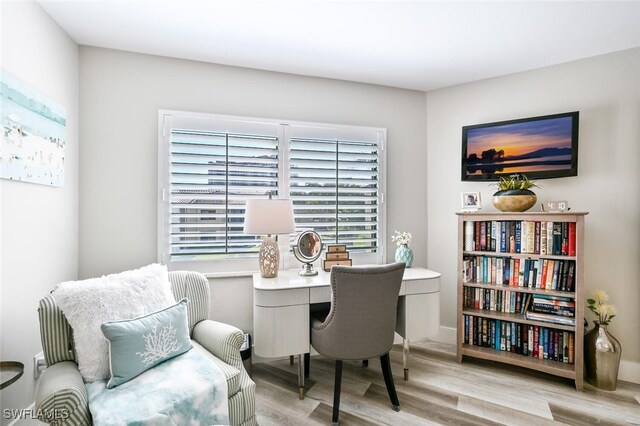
573 370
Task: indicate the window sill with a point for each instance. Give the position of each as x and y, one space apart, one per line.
231 274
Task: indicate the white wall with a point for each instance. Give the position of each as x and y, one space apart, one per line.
38 224
121 93
606 91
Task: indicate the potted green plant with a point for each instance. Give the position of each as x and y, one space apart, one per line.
514 193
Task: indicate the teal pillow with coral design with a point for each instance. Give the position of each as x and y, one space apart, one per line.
139 344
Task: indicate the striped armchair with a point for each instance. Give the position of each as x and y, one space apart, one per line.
61 390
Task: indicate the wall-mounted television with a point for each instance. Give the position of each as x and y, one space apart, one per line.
538 147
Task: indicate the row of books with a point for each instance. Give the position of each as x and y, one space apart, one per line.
549 274
534 307
527 340
496 300
523 236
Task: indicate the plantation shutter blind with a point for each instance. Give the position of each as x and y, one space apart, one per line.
335 184
214 167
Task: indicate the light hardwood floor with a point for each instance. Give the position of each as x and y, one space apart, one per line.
440 391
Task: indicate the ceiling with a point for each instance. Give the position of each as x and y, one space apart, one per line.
420 45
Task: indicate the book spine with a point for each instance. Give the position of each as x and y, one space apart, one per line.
536 244
570 274
545 344
549 238
571 345
565 238
531 237
572 239
512 236
557 238
556 270
550 267
543 238
503 237
492 241
518 236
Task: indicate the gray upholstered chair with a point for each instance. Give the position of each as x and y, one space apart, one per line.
61 388
361 322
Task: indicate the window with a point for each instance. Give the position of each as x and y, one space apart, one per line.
210 165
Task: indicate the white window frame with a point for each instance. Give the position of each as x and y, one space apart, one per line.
248 265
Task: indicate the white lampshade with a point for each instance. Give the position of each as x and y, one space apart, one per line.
269 217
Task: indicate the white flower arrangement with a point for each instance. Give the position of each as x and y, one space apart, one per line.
401 238
599 305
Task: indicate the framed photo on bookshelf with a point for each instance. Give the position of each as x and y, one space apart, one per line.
470 201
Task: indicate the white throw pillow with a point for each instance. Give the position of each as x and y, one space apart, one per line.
88 303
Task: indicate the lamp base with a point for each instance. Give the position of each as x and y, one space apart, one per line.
269 258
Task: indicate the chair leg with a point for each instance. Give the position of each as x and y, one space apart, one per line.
307 364
385 362
336 393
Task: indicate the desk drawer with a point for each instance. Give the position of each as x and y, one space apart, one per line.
320 294
295 296
422 286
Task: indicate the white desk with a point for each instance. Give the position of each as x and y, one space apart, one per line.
281 312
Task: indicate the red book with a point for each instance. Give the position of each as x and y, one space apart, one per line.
572 238
545 265
516 273
535 341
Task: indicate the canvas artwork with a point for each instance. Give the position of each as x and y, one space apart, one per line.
33 134
540 147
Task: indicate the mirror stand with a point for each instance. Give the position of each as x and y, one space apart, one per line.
307 270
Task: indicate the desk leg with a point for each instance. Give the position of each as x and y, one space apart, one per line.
301 376
405 358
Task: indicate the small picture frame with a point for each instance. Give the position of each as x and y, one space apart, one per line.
470 201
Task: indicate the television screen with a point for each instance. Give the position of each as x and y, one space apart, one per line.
538 147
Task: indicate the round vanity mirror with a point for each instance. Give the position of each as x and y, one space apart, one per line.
307 248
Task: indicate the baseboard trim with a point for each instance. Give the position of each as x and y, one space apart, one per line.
629 371
445 335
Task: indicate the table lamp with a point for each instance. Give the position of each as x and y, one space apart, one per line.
269 217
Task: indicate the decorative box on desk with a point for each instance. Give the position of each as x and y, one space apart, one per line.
506 260
282 304
336 254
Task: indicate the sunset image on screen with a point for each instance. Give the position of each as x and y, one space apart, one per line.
520 147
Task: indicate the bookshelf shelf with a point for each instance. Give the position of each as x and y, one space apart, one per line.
519 255
505 316
552 367
557 337
502 287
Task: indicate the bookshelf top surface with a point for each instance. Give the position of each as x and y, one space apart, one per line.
497 213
